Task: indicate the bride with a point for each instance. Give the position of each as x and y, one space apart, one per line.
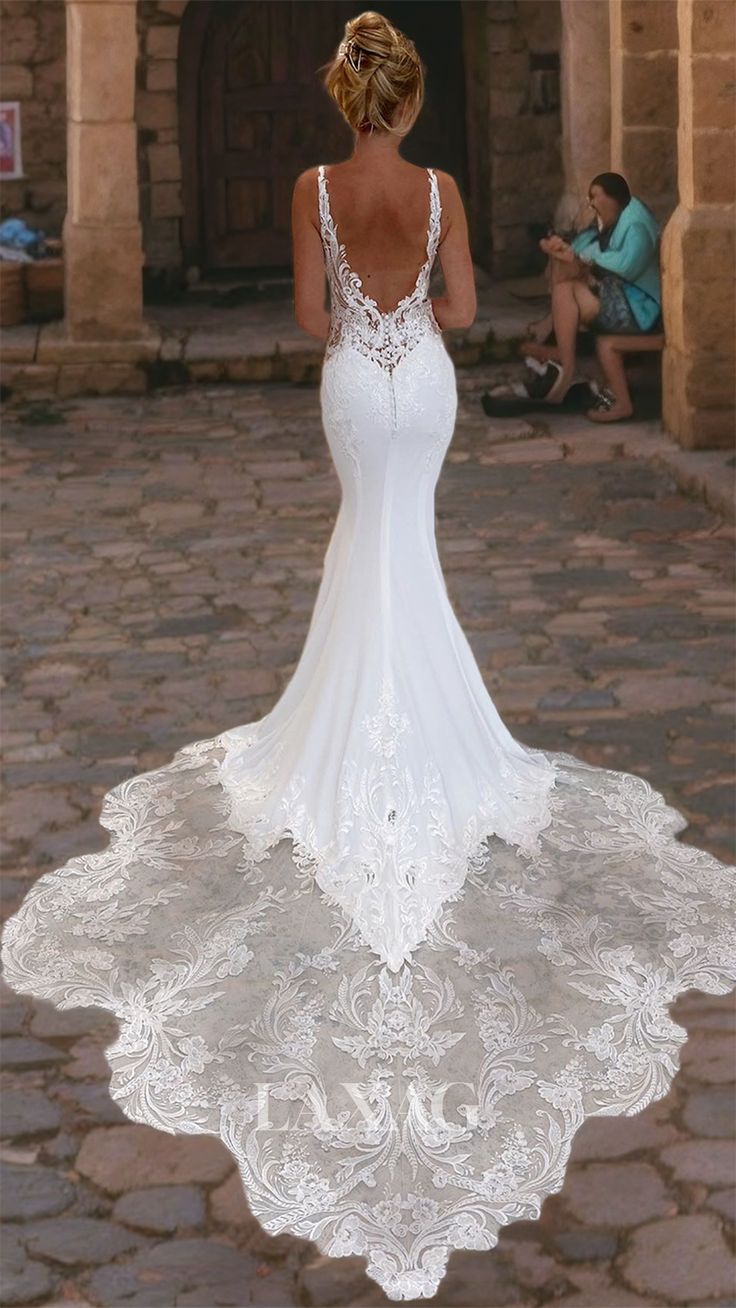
388 954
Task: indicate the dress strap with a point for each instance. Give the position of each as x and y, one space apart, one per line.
435 215
323 204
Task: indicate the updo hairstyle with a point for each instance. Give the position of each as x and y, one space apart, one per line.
376 77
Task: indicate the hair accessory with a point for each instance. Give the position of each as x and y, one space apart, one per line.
347 50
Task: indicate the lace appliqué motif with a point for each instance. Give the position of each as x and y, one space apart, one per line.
355 317
371 869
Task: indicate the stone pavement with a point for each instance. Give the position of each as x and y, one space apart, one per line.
165 554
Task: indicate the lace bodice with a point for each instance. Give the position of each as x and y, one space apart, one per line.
356 320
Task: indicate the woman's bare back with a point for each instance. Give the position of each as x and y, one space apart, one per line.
382 218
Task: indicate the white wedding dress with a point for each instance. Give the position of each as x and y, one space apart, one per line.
390 955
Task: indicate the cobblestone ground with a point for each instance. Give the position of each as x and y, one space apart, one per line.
165 557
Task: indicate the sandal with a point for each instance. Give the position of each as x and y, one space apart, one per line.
604 406
545 376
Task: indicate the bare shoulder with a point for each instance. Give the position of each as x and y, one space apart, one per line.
448 187
304 204
305 181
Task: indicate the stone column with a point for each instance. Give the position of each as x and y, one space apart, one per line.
698 247
586 101
103 256
644 99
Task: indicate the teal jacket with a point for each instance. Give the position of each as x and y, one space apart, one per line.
633 253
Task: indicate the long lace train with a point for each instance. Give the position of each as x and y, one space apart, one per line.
396 1115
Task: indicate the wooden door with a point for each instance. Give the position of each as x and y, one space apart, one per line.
254 114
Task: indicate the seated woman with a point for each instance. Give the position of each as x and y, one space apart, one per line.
606 279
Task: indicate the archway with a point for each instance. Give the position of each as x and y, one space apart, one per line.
253 114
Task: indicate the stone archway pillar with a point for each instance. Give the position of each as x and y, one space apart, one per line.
586 101
103 254
698 245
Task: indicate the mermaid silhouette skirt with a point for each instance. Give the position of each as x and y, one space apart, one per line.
392 957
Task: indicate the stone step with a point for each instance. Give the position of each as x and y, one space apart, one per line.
255 340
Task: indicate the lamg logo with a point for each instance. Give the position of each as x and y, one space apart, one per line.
364 1109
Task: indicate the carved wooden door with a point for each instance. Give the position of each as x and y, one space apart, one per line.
254 114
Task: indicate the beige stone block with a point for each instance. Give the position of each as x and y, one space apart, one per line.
707 315
103 173
541 25
586 98
650 161
56 346
31 379
711 381
506 104
714 91
503 37
701 306
101 379
164 163
103 281
18 344
161 75
715 429
649 25
16 82
156 109
713 26
714 167
102 47
649 89
162 41
509 72
518 135
703 425
166 201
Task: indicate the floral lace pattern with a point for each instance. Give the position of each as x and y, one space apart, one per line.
385 337
375 867
393 1115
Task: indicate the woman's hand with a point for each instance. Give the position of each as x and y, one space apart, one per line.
564 253
550 244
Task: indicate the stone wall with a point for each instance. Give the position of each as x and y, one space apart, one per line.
157 115
524 130
644 98
33 71
699 242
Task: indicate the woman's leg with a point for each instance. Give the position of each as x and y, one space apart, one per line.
540 330
612 364
572 303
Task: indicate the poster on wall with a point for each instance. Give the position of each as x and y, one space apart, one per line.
11 163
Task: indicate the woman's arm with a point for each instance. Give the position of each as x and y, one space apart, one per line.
636 253
308 257
458 306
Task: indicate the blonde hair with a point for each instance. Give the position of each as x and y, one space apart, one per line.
376 77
